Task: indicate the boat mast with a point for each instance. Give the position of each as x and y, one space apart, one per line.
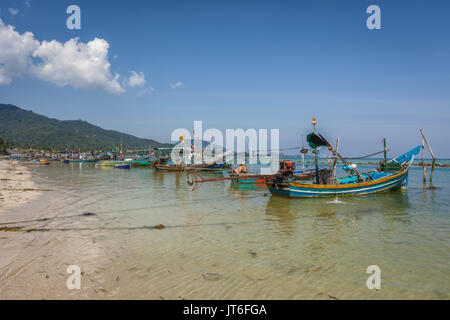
315 153
303 154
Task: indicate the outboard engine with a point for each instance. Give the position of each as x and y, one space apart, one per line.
282 178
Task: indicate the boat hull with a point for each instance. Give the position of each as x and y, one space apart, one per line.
303 190
122 166
82 160
244 178
133 163
248 178
199 167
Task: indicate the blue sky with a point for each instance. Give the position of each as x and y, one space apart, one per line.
252 64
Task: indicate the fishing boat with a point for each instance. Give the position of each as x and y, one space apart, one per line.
287 170
183 167
37 162
139 163
250 178
356 183
82 160
110 163
132 162
122 166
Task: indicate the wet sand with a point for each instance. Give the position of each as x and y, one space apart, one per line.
33 265
16 185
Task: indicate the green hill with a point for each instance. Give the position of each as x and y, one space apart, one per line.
28 129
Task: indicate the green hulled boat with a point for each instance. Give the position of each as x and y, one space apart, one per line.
132 163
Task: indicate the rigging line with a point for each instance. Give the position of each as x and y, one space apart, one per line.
282 149
367 156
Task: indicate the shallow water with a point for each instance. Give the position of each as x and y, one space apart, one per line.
223 241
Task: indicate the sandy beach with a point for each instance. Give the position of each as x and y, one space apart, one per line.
33 264
16 185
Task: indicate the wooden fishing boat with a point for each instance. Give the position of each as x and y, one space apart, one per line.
182 167
356 184
139 163
110 163
250 178
82 160
37 163
131 162
122 166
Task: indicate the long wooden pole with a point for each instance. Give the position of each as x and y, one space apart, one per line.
315 153
432 154
333 170
423 162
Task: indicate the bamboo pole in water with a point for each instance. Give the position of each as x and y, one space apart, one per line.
333 170
432 154
423 162
385 155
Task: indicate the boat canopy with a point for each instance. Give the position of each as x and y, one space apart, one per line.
407 156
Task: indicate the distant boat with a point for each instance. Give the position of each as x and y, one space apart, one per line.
37 163
122 166
130 162
198 167
139 163
249 178
83 160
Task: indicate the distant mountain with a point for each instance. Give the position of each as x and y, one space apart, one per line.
28 129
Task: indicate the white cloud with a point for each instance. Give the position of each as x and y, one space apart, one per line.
77 64
147 90
27 3
176 85
136 79
73 63
15 51
13 11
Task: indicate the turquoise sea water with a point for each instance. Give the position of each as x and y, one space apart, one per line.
227 241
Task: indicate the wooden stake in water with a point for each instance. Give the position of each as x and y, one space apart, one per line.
333 170
432 154
315 153
423 163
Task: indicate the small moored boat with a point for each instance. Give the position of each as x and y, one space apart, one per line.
37 162
122 166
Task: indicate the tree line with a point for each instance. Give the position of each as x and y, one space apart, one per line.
4 146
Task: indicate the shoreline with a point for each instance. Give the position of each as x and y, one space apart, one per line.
33 264
17 187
